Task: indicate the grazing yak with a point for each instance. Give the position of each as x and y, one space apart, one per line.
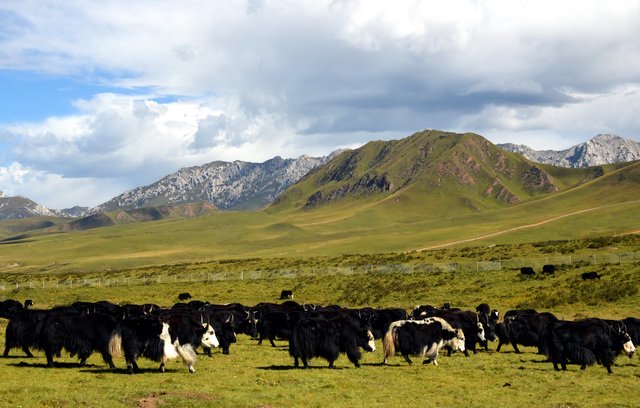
525 327
21 331
184 296
78 334
527 271
324 337
161 339
424 338
142 336
467 320
549 269
586 342
590 276
286 294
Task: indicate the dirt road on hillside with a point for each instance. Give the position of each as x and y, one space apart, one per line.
522 227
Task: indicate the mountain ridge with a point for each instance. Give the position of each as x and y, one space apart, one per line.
599 150
236 185
467 168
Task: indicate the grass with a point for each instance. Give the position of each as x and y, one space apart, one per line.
255 376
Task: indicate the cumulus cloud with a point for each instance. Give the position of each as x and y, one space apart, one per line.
251 80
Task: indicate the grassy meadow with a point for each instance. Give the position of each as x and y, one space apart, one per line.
257 376
418 227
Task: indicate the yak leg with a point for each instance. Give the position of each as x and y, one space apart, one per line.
406 357
49 355
353 358
26 351
107 358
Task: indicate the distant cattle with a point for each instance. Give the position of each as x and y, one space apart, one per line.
328 338
586 342
527 270
184 296
286 294
423 338
549 269
590 275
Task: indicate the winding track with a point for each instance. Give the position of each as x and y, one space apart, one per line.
522 227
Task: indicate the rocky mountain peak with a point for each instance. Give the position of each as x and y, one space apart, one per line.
233 185
601 149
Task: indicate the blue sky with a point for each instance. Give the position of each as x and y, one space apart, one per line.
100 97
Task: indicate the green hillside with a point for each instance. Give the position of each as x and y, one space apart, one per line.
430 190
437 172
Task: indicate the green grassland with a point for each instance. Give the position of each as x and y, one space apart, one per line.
254 376
439 211
362 226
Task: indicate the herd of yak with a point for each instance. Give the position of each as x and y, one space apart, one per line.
161 334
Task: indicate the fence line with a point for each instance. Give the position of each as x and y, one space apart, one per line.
465 266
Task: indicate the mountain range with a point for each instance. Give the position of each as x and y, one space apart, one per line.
242 185
234 185
602 149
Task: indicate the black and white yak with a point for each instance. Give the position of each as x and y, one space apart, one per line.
423 338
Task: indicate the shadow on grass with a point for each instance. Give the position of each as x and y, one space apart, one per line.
16 357
55 365
291 367
121 371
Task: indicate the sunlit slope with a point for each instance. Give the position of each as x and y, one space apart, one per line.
438 172
465 192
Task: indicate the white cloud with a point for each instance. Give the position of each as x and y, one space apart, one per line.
55 191
128 141
560 127
251 80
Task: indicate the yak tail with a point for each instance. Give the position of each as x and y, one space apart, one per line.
389 343
187 354
115 345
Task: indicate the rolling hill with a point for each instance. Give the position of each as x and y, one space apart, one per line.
444 173
430 190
